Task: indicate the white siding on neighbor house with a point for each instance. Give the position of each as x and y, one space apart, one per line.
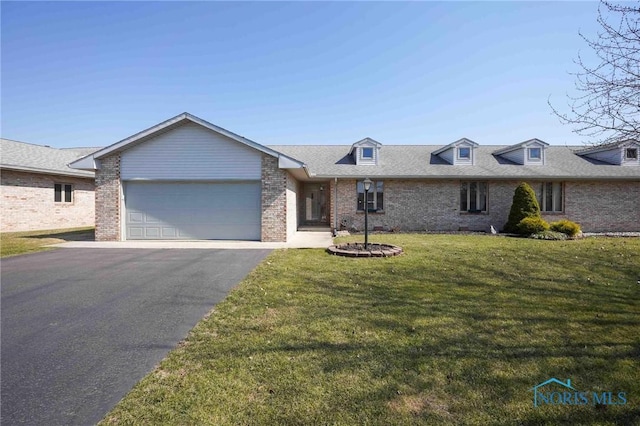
516 156
293 188
191 152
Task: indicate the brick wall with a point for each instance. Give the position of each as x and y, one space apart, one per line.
604 206
432 205
27 201
274 200
108 199
293 189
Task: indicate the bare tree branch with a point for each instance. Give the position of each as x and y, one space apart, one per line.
605 106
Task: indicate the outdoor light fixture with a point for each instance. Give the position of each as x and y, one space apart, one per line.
367 186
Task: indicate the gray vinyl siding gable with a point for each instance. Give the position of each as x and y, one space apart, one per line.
612 156
448 156
516 156
191 152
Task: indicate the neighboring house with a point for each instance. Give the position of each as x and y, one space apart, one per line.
186 178
40 191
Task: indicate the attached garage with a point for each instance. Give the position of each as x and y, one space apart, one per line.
187 179
193 211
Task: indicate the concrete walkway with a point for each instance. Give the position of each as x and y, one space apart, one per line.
302 239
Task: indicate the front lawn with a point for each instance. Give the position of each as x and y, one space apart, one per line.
455 331
14 243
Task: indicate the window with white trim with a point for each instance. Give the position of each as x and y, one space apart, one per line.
367 153
534 153
375 201
63 193
464 153
473 197
550 197
631 154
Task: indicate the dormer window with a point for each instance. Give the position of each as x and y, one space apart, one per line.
366 152
527 153
534 153
623 153
458 153
464 153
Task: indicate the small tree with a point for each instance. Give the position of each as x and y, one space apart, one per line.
524 205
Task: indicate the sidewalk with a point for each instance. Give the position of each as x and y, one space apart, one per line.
301 239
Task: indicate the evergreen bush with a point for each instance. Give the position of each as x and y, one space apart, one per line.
524 205
567 227
532 225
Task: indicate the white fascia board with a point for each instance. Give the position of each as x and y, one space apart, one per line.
86 163
285 162
462 141
368 142
520 145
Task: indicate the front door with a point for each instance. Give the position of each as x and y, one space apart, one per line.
314 204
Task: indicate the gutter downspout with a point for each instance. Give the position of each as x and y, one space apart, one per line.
335 206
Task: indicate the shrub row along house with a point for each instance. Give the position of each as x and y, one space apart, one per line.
186 178
40 191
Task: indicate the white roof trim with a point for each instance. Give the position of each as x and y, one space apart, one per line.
85 162
607 147
286 162
521 145
185 116
462 141
365 142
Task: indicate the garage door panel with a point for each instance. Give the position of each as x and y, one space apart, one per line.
193 210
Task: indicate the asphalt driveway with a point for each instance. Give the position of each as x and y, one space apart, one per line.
81 327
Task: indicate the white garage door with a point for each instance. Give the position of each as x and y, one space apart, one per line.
186 211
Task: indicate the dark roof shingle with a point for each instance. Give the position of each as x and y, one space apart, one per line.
417 161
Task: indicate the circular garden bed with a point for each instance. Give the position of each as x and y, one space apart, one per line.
359 250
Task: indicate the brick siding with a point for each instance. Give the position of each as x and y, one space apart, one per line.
28 204
274 200
108 199
433 205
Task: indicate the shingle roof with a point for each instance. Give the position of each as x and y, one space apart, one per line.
23 156
417 161
605 147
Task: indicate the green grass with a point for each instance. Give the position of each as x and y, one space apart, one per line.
15 243
455 331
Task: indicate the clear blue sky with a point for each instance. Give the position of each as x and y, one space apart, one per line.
93 73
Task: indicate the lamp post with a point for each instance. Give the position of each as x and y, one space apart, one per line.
367 186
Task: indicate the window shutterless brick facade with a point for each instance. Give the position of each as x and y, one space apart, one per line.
434 205
28 202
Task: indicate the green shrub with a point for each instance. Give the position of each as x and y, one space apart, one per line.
567 227
532 225
524 205
550 235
